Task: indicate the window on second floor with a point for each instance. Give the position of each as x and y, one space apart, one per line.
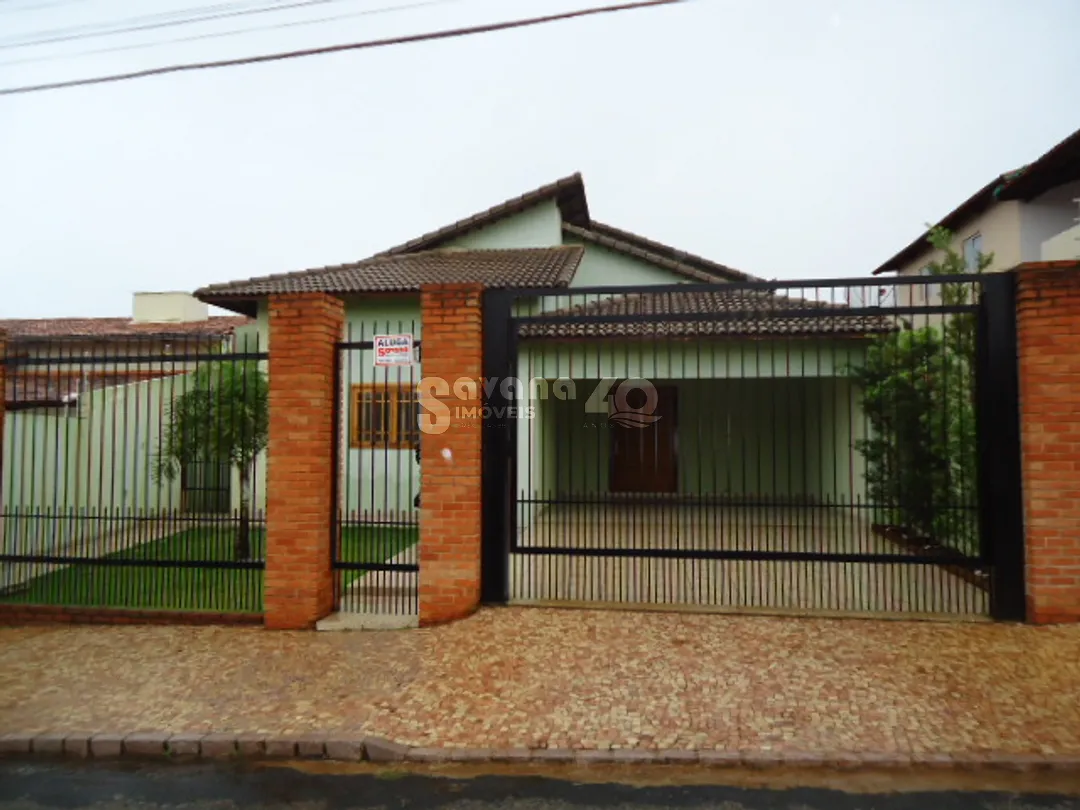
929 293
972 250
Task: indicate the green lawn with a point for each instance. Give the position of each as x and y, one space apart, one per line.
204 589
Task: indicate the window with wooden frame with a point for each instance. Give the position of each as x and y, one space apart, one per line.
384 416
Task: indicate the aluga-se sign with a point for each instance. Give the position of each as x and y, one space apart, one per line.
393 350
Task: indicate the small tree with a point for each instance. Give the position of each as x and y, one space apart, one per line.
918 397
223 418
959 331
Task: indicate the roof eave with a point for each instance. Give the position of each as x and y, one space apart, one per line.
248 305
714 270
680 268
1058 165
568 193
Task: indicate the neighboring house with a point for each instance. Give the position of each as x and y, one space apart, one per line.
76 355
85 401
1030 214
757 409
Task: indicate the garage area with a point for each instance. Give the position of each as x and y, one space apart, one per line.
692 460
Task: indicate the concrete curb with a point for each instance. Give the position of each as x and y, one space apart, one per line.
187 746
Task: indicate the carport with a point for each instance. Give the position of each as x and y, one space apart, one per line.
702 450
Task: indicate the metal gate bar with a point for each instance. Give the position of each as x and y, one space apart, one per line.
822 450
376 499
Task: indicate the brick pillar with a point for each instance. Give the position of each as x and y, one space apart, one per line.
450 453
1048 327
300 465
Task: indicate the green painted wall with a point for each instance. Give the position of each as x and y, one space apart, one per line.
124 426
378 484
788 438
95 459
688 359
779 426
375 484
600 267
539 226
39 457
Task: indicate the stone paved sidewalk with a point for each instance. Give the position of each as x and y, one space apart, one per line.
537 678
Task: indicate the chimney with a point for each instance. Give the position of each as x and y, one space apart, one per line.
168 307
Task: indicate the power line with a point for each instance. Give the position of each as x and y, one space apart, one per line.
352 46
38 7
230 33
151 22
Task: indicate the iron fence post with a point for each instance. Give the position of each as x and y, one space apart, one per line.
1000 484
497 450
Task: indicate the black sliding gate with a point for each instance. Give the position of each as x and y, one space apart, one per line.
837 445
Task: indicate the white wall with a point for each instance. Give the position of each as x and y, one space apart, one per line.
1000 227
1047 216
167 307
1014 231
1063 247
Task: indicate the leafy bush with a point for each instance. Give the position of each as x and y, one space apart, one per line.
918 394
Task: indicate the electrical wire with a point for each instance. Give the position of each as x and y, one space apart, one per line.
230 33
153 22
36 7
352 46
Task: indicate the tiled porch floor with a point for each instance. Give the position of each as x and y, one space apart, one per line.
561 678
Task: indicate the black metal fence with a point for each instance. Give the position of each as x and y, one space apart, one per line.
807 446
376 525
133 472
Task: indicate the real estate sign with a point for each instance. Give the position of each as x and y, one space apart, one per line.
393 350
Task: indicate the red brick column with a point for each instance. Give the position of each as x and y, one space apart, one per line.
1048 326
450 453
300 465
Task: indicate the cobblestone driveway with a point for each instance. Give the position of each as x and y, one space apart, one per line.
532 677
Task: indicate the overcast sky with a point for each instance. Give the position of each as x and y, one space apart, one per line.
787 138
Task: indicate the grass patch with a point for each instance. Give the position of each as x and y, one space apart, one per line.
148 587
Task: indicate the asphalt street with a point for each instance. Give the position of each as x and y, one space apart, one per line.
173 786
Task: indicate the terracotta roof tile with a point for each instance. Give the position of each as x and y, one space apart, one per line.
50 388
755 313
530 267
33 328
678 261
568 193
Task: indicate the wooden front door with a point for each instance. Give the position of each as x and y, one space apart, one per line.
644 459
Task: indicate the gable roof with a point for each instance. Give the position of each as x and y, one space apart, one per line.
677 261
434 261
568 193
1061 164
527 267
24 329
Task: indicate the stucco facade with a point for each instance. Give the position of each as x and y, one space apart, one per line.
767 399
1015 231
